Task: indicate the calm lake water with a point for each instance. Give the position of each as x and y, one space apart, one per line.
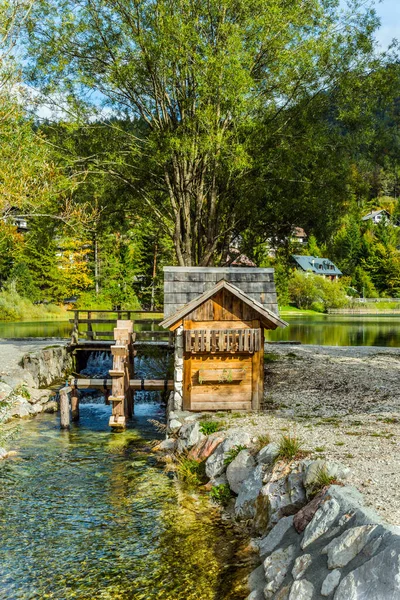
330 330
89 514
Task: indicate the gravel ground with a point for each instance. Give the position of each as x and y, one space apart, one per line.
344 403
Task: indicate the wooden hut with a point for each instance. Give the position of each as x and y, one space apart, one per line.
219 343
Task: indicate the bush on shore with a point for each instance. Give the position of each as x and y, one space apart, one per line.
309 291
14 307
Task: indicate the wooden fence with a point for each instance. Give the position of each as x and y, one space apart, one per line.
86 324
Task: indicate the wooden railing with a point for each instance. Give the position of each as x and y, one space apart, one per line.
223 340
90 319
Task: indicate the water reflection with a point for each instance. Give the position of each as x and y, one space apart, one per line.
89 514
332 330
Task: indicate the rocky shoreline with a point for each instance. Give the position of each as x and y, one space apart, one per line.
314 536
26 372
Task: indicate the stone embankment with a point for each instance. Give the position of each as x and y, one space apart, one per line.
26 372
314 536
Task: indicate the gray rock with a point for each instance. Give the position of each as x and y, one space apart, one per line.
321 522
174 425
296 490
276 535
169 444
377 579
301 564
256 583
5 391
245 505
239 470
215 464
189 435
283 594
330 582
276 567
333 469
343 549
221 480
3 453
268 454
35 409
301 590
50 407
20 409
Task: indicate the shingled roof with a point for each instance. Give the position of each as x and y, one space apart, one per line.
268 318
184 284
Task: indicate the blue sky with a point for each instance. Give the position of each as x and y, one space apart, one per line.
389 13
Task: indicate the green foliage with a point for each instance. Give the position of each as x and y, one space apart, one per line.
14 307
208 427
191 471
290 447
221 494
232 453
315 292
322 480
270 357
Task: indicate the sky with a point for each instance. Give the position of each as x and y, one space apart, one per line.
389 13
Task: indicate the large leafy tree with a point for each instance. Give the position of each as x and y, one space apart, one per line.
199 74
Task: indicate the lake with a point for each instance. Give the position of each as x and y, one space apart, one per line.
327 330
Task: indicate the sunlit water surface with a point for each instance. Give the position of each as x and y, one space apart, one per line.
327 330
89 514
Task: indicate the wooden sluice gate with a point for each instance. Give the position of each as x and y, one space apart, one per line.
118 387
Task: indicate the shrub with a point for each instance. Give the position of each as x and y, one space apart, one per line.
190 471
221 494
309 291
232 453
322 480
290 447
208 427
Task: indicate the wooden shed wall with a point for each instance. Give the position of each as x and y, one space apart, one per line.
184 284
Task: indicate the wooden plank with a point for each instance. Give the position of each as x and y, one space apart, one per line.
192 324
221 375
202 340
208 340
216 405
64 408
213 341
196 340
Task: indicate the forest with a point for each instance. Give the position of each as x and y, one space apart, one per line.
137 134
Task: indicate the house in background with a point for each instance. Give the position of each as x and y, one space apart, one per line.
318 266
377 216
13 217
299 236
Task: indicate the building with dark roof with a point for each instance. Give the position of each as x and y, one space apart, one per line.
316 265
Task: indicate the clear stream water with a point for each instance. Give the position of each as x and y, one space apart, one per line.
330 330
89 514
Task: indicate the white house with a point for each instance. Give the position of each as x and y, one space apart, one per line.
376 216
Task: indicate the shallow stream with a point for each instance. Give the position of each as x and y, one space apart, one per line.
90 514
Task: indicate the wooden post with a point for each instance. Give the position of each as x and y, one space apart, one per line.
122 353
64 407
90 328
75 331
75 404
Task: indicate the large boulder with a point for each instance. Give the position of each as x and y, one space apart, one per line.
312 469
377 579
189 435
20 409
323 519
203 449
276 567
245 505
239 470
275 536
215 464
344 548
268 454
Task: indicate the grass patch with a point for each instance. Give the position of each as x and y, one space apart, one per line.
191 471
208 427
221 494
339 443
270 357
320 449
322 480
232 453
262 441
14 307
390 420
22 390
290 447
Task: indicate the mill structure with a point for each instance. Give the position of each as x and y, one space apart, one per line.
218 316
